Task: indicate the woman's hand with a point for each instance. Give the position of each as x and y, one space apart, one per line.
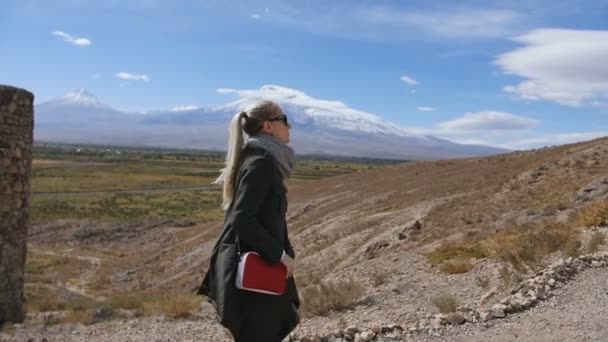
289 264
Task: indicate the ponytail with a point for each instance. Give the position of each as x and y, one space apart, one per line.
250 122
235 148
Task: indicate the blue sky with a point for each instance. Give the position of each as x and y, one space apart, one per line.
516 74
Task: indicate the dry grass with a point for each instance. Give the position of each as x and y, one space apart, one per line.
174 305
40 299
309 278
457 250
526 246
7 328
125 301
456 266
508 278
330 296
597 239
446 303
78 315
595 214
379 278
41 264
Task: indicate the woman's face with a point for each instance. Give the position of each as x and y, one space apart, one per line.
279 127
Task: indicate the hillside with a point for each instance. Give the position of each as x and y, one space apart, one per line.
373 227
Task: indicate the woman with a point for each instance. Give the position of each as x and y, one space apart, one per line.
255 202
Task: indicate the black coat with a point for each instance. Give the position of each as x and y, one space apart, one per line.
257 217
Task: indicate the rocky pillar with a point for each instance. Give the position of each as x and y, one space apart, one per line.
16 138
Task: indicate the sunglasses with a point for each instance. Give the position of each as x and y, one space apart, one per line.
282 118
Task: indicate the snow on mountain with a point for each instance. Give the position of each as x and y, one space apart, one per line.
319 126
304 108
79 97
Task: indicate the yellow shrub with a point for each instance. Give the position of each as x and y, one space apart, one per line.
446 303
595 214
330 296
456 266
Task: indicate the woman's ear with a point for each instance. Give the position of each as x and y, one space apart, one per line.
267 127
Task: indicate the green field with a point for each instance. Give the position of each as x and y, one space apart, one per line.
105 183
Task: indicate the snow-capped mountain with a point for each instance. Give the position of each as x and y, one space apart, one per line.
319 127
79 97
305 109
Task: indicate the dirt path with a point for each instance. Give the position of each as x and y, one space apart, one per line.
577 313
85 278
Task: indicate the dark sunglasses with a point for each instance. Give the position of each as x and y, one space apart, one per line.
282 118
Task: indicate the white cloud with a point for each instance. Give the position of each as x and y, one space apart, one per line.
255 16
409 80
470 23
425 109
553 139
374 22
226 91
503 130
184 108
132 77
563 66
492 128
486 121
71 39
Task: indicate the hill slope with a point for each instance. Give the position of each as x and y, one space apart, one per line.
374 227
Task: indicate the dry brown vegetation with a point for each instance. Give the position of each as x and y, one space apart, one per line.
595 214
516 208
525 247
456 266
446 303
330 296
597 240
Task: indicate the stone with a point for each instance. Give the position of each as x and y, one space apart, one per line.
498 311
16 134
17 153
436 322
367 336
351 330
315 338
540 293
18 187
455 318
468 317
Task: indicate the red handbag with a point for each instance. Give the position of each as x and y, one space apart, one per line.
255 274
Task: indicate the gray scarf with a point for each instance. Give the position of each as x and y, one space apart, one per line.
283 155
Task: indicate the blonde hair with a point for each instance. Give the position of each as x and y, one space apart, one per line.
249 122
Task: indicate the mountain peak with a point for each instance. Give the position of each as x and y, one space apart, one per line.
80 97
